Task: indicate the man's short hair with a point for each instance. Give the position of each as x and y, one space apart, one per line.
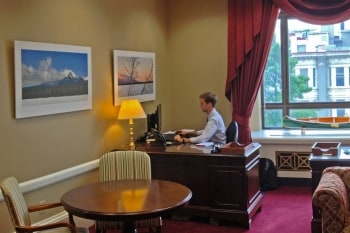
209 97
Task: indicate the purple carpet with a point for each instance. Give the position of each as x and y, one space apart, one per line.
287 209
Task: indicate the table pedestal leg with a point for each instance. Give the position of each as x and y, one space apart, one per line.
129 227
71 219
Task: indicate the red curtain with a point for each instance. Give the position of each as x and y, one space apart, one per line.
250 31
316 11
251 25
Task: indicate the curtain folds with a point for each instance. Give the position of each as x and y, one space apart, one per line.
316 11
250 29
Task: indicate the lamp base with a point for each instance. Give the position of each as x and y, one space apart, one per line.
131 135
131 146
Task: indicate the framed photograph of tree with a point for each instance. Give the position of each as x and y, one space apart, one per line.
51 78
134 76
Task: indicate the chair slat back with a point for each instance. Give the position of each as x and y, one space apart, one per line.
121 165
15 202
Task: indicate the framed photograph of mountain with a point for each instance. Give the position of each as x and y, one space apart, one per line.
51 78
134 76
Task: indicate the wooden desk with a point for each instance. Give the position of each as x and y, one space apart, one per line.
318 164
125 200
225 187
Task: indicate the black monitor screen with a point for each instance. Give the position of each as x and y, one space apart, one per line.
154 120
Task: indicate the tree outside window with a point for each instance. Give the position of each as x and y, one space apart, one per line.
307 71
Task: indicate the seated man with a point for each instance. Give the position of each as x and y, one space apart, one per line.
214 130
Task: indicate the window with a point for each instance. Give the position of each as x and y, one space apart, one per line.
301 48
339 76
307 72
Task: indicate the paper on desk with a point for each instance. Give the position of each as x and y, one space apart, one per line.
205 150
175 131
187 130
205 144
170 132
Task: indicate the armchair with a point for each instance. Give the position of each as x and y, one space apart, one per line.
331 198
19 211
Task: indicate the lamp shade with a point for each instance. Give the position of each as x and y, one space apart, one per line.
131 109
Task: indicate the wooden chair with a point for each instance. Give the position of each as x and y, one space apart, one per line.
121 165
20 212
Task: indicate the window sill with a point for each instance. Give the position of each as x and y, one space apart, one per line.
290 136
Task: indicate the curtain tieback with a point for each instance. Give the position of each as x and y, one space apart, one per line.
242 120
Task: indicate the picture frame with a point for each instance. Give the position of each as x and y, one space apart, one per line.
134 76
51 78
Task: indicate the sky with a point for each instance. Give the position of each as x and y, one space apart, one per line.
40 66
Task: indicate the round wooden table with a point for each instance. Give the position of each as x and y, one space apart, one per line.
125 200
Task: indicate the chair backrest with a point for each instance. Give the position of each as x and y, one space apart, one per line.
232 132
15 202
121 165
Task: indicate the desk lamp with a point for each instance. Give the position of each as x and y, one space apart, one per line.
131 109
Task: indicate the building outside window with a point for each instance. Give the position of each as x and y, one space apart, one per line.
307 72
339 76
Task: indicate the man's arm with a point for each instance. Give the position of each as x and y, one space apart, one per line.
184 136
207 133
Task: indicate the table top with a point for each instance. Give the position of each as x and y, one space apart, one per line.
344 154
125 199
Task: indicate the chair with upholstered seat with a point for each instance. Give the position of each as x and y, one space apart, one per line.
20 212
122 165
232 132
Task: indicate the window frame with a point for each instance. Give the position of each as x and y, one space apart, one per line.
286 106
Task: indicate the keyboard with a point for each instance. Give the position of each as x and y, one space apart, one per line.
169 137
171 143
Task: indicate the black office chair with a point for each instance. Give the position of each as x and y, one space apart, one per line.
232 132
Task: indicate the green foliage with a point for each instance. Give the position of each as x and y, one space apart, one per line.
303 113
273 118
298 84
272 76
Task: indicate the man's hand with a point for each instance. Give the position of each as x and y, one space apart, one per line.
181 132
178 138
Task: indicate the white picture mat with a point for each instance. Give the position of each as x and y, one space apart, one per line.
29 107
143 71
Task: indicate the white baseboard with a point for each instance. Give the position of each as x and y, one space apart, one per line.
56 177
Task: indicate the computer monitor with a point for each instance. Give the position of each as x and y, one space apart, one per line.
154 120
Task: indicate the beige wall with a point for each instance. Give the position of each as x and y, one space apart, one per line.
51 143
188 37
197 58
